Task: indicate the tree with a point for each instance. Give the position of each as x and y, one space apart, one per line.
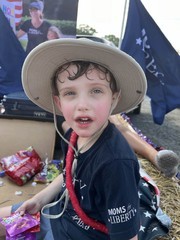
112 38
85 30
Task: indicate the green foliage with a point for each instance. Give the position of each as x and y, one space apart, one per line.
112 38
66 27
23 43
85 30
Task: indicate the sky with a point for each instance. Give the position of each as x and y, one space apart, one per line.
106 16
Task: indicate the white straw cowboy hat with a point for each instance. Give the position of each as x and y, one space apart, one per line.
43 61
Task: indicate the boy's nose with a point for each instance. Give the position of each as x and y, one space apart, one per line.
82 104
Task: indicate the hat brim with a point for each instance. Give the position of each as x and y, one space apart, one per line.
42 61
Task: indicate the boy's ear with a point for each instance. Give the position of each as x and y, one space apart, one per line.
57 102
115 100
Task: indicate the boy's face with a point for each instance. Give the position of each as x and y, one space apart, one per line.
51 35
85 102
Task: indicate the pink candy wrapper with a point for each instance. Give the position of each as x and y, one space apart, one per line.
21 227
23 236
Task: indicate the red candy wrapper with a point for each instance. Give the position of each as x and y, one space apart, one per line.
21 227
22 166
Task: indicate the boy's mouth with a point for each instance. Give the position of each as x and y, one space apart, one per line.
84 120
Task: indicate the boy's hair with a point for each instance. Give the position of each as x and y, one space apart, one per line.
83 67
55 30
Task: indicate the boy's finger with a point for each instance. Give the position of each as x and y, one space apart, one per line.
20 211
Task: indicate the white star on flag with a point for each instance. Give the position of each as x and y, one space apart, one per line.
138 41
142 228
147 214
154 229
145 184
139 194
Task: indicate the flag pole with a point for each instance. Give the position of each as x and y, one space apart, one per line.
122 26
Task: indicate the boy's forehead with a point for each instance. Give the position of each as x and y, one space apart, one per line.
91 73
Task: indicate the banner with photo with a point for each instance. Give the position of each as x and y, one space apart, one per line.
30 22
13 11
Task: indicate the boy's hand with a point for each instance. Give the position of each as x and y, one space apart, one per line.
31 206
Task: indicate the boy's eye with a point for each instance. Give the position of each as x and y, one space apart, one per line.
70 93
97 91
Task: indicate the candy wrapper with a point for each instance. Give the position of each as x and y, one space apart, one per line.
49 172
22 166
9 161
22 236
21 227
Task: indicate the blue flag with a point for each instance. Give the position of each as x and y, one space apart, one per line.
145 42
12 56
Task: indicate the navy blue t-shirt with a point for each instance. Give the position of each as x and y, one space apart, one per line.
35 35
106 185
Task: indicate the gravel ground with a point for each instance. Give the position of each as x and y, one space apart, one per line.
167 134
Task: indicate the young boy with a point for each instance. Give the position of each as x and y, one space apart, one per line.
88 81
54 33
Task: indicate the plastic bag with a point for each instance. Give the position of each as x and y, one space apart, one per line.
21 227
22 166
49 172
